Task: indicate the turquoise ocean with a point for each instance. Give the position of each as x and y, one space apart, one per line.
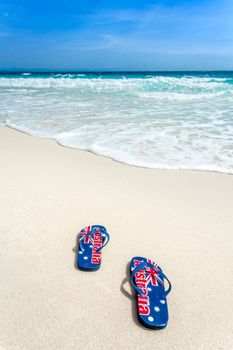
168 120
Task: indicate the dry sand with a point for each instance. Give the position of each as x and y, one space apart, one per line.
182 219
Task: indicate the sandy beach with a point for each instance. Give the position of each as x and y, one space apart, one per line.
181 219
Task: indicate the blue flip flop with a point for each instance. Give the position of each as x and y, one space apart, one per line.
148 280
92 239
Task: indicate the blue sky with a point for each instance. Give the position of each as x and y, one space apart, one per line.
117 34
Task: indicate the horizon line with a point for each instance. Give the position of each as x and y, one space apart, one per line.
59 70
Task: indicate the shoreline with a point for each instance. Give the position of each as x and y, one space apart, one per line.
162 168
180 219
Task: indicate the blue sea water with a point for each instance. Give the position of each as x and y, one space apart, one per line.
168 120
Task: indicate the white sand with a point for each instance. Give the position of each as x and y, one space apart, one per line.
182 219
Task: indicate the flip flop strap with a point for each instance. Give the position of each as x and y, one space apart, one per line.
106 240
93 232
158 275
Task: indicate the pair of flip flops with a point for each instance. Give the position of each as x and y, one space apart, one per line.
147 277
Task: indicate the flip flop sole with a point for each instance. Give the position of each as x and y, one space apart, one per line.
151 308
88 257
88 269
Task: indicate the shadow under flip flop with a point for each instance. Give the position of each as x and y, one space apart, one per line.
75 250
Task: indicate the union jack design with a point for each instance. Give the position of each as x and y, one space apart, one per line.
87 239
152 274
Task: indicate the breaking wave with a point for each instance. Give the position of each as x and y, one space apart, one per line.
171 121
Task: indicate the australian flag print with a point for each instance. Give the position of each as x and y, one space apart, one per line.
148 280
92 239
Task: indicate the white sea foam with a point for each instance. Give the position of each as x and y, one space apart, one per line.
162 122
99 84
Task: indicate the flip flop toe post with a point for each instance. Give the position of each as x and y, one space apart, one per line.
148 280
92 239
